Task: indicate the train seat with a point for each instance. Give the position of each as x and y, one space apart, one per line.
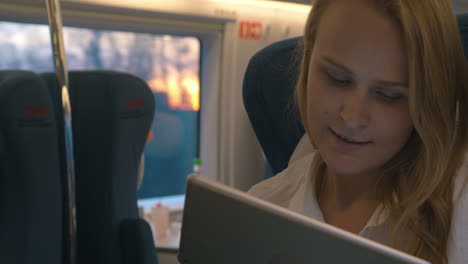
111 116
30 192
267 93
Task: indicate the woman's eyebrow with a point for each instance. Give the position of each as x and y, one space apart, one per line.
338 66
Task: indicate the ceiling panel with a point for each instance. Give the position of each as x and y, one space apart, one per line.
461 5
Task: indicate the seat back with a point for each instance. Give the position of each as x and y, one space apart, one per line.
463 24
30 196
268 92
111 116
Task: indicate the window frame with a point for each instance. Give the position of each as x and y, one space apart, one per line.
210 32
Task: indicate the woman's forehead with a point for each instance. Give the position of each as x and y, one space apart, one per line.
357 19
362 39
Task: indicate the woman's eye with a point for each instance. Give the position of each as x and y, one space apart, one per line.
338 81
388 97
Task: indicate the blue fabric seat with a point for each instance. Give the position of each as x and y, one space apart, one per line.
267 93
30 192
268 89
111 116
463 24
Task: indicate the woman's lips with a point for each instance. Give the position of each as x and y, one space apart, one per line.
349 140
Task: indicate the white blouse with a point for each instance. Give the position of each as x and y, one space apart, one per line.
293 189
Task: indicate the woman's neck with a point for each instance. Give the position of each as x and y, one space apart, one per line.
348 201
345 190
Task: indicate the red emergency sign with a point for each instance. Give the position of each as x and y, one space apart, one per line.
250 30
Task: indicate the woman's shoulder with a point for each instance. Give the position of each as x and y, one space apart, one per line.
459 230
280 188
461 181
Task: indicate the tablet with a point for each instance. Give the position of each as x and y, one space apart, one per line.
223 225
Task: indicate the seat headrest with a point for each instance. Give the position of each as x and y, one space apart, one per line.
267 92
463 25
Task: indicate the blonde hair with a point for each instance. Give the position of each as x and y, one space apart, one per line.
421 176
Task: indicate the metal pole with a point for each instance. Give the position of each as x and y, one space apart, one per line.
55 23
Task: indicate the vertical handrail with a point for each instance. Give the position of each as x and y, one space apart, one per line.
55 25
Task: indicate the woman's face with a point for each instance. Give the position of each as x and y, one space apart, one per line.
357 95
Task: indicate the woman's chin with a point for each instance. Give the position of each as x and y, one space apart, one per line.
345 165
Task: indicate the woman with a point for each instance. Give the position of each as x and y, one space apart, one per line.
381 89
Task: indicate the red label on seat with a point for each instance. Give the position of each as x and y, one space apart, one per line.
134 103
39 111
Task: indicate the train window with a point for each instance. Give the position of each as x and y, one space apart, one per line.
169 64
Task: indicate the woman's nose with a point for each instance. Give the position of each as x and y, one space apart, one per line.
355 111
